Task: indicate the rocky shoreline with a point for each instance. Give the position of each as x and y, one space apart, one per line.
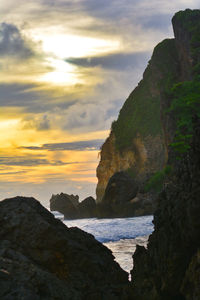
71 208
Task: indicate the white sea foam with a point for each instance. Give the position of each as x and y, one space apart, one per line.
120 235
107 230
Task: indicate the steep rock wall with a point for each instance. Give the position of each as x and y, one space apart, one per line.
137 142
171 263
139 139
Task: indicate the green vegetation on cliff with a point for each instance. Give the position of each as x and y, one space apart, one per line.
156 182
185 104
141 113
188 20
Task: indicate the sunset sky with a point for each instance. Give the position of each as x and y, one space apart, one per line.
66 67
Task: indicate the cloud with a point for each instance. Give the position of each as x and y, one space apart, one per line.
43 124
90 145
98 110
34 98
119 61
87 108
12 173
16 94
136 26
12 43
39 123
28 162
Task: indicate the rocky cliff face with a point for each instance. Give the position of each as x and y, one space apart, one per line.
111 162
138 142
171 263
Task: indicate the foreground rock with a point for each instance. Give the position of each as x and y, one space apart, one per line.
40 258
171 264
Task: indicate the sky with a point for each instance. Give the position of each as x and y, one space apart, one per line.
66 68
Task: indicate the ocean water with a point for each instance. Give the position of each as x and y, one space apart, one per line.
120 235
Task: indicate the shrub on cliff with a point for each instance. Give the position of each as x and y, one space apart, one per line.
185 104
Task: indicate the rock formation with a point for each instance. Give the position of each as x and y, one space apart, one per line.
87 208
65 204
121 188
71 208
42 259
138 141
171 263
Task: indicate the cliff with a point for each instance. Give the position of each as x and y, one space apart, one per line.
139 139
171 264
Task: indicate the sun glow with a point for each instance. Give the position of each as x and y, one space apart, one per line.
65 46
62 73
61 46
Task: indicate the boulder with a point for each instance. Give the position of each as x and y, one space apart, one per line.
65 204
121 188
42 259
87 208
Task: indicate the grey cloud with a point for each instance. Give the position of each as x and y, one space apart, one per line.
158 21
12 43
89 112
98 111
18 94
28 162
83 118
39 123
25 96
120 61
109 9
44 123
113 17
79 146
127 14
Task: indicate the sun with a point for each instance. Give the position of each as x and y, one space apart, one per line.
58 47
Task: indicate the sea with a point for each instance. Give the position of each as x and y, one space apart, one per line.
120 235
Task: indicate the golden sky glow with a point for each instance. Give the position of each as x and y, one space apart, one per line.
66 67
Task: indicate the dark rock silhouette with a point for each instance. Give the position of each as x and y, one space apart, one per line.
121 188
169 267
65 204
87 208
40 258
